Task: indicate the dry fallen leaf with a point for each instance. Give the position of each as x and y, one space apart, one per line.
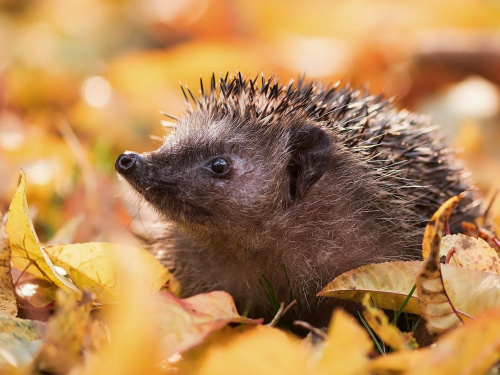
8 303
66 334
433 301
184 323
36 297
346 349
436 225
27 252
93 266
90 266
256 350
469 252
160 324
268 350
216 304
471 292
134 338
388 284
470 349
398 362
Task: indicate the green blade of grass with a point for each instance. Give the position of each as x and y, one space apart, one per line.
374 338
405 302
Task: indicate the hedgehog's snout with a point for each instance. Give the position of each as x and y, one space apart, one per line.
127 162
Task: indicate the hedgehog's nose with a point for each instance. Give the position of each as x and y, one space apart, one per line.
126 162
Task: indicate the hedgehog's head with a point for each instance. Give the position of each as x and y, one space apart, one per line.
230 173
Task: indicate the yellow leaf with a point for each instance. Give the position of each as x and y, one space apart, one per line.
470 349
347 347
470 252
398 362
433 301
27 252
8 302
67 331
388 284
472 292
93 266
135 341
258 350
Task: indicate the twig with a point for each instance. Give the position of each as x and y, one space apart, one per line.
282 311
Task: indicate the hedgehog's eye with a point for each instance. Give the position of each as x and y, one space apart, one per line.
219 166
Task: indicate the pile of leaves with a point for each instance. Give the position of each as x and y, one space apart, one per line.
115 310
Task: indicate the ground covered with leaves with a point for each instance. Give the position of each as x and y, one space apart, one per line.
114 309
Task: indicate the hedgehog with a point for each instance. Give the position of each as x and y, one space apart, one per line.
293 184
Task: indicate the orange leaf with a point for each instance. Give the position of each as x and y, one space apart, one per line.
184 323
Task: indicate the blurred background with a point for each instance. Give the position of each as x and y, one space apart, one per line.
83 80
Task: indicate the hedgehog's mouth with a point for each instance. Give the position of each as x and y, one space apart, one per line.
174 207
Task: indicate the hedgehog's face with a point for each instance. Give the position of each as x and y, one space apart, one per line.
220 176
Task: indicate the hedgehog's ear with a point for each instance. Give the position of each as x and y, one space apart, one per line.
310 152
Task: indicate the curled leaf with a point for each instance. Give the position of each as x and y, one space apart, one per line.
27 252
434 303
436 225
